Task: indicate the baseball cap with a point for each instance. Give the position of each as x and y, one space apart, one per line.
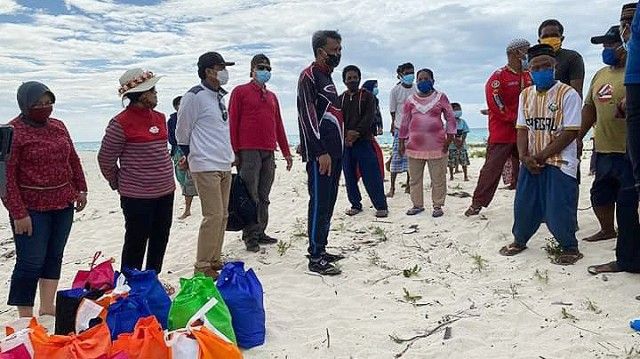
610 37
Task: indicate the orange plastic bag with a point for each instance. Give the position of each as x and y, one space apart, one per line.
91 344
212 346
146 341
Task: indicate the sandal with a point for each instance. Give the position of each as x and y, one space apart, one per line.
512 249
415 210
437 212
473 211
352 211
600 236
611 267
382 213
568 258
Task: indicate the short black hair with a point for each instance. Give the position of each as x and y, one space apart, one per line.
405 66
176 101
550 22
350 68
319 39
258 59
455 104
428 71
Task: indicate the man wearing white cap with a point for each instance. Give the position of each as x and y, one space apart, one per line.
502 92
203 135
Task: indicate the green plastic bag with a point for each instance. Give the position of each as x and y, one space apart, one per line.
194 294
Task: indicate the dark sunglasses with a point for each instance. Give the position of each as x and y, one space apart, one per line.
263 67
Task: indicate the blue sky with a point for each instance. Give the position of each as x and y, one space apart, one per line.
79 48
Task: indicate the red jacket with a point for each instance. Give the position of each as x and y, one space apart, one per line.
255 121
43 170
503 92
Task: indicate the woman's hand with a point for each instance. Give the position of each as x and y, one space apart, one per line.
81 202
23 226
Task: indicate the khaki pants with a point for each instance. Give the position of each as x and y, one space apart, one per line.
213 189
438 174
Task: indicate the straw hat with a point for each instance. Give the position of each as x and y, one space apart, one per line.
137 80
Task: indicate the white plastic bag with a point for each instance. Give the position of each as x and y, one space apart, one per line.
182 345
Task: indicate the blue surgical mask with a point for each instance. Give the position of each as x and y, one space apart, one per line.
525 63
408 79
425 86
543 79
375 91
458 113
609 56
263 76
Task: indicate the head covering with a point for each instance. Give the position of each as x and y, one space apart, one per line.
540 50
137 80
517 44
210 59
612 36
628 10
369 85
258 59
29 93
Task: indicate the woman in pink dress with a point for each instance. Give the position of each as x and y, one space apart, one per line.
425 140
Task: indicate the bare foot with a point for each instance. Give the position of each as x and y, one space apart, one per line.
185 215
47 311
601 236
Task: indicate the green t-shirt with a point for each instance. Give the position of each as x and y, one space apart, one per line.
605 93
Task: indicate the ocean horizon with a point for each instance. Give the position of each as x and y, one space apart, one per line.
476 136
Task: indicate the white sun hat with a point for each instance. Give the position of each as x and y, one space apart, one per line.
137 80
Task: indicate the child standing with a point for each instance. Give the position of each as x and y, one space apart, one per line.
458 149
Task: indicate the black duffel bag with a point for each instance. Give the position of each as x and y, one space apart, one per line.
242 208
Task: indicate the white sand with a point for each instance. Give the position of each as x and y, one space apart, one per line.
506 311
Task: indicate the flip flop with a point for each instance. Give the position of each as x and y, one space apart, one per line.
352 211
472 211
568 258
415 210
611 267
600 237
512 249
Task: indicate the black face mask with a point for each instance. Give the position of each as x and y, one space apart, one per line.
333 60
353 85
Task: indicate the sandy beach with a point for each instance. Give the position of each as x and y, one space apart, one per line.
496 307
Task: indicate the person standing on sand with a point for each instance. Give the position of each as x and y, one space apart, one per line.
322 140
548 125
502 91
182 175
133 158
377 126
425 141
256 127
399 94
358 108
204 138
614 182
44 181
458 149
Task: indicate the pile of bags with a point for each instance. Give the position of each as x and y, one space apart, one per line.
128 315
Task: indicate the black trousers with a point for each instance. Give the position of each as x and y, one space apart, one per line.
147 226
323 193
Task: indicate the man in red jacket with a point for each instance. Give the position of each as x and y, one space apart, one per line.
256 127
502 92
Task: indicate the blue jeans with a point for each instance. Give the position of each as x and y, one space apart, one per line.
363 156
39 255
614 184
550 196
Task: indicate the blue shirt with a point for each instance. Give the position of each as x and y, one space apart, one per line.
633 56
463 129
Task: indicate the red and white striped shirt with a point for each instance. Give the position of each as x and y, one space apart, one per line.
134 157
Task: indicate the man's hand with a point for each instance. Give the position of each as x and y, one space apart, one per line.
621 109
183 164
401 148
532 165
81 201
351 137
289 160
23 226
324 162
236 161
393 129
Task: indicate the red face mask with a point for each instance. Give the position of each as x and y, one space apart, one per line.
40 114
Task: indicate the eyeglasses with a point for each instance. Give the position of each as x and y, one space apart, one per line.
263 68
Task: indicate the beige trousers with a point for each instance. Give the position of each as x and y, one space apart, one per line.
438 174
213 191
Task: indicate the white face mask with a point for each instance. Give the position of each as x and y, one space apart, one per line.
223 77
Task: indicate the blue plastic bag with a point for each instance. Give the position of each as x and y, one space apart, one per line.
147 285
243 294
635 324
123 315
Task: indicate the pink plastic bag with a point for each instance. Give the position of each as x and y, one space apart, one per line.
19 352
98 277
